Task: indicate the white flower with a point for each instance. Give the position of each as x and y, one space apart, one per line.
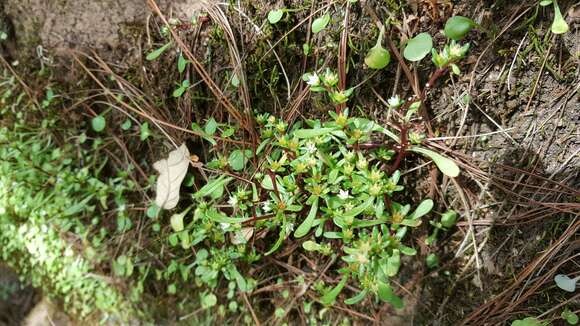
313 80
233 201
394 102
343 194
224 226
310 148
266 206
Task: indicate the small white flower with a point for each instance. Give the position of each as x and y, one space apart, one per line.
343 194
233 201
313 80
310 148
394 101
224 226
266 206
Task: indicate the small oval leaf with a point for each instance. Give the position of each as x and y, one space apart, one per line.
457 27
320 23
418 47
98 123
274 16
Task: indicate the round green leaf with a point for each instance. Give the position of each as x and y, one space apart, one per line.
98 123
320 23
208 300
238 159
274 16
448 218
377 57
418 47
457 27
432 260
569 316
126 125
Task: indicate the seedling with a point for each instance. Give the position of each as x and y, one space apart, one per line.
457 27
559 25
378 57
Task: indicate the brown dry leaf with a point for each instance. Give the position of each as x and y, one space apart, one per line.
171 173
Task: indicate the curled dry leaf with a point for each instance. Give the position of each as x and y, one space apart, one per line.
172 171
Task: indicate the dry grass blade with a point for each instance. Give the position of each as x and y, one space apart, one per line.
246 121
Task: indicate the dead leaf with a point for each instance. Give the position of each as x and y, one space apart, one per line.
171 173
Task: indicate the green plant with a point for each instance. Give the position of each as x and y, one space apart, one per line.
529 321
378 57
559 25
569 316
320 23
457 27
275 15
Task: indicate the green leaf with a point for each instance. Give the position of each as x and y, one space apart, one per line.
235 81
155 54
559 25
408 251
98 123
530 321
278 243
126 125
457 27
424 207
378 57
310 245
238 159
387 294
411 222
320 23
357 298
222 218
445 165
455 69
152 211
212 186
569 316
145 132
267 183
181 89
208 300
311 133
176 221
544 3
448 218
210 126
359 209
330 297
432 260
393 264
78 207
181 63
306 225
274 16
418 47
